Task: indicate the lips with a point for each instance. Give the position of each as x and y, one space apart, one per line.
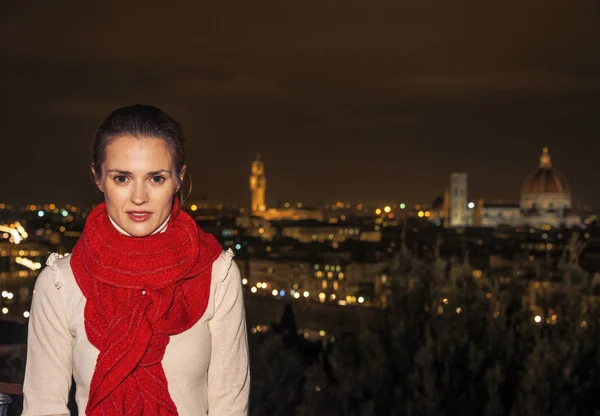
139 216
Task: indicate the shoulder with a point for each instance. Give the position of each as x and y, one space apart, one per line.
225 268
57 275
52 274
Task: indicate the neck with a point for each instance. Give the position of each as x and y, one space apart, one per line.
160 229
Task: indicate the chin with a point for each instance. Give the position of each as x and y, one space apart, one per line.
139 233
141 230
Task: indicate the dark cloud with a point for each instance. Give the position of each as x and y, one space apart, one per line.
346 100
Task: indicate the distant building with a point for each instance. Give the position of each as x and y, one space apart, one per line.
495 214
334 278
545 201
258 186
458 200
546 197
315 231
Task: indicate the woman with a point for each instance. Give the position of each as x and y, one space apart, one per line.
147 313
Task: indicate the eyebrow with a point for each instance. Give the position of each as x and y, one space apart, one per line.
126 172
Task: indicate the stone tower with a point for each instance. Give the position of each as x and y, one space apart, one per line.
458 199
258 185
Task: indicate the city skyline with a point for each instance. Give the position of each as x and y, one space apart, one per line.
311 203
374 104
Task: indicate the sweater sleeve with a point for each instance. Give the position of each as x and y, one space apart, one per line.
49 363
228 371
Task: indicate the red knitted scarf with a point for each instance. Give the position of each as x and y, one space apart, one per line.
138 292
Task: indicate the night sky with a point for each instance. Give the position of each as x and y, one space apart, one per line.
373 101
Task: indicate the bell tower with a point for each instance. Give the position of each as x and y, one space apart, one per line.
258 185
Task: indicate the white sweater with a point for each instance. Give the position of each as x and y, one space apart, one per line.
206 366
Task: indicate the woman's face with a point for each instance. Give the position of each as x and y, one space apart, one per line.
139 181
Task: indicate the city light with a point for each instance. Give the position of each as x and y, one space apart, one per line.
41 213
361 299
30 264
402 205
253 290
378 211
387 209
15 237
471 205
26 314
244 281
194 207
305 294
4 311
296 295
538 319
274 292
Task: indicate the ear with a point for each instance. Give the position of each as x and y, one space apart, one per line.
96 179
181 176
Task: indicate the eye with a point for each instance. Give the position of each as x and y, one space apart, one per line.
120 179
157 179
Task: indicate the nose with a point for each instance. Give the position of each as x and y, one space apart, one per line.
139 193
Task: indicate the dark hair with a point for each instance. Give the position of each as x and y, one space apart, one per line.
143 121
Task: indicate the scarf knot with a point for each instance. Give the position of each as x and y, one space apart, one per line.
139 292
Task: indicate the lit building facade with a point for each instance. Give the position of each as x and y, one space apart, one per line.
329 280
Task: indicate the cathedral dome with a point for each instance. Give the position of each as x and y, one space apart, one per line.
546 179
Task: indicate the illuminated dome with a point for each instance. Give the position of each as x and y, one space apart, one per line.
546 179
546 188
